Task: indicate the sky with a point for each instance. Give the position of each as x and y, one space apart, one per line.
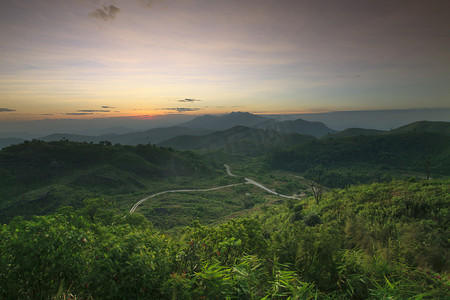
148 58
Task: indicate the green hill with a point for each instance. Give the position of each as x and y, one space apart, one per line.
379 241
153 136
299 126
238 140
342 161
38 177
425 126
355 132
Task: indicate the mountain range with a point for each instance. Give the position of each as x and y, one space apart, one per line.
212 132
199 126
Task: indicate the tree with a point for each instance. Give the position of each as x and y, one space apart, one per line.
317 191
93 207
427 161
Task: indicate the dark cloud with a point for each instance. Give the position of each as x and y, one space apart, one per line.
93 110
105 13
106 106
78 114
188 100
181 109
2 109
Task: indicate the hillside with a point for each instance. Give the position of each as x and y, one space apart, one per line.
379 241
355 132
425 126
299 126
237 140
224 122
38 177
218 123
342 161
420 126
152 136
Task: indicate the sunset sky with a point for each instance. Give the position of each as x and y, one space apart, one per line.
93 58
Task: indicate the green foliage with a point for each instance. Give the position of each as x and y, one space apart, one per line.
343 161
378 241
41 256
38 177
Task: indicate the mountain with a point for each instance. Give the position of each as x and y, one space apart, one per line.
356 132
376 119
299 126
4 142
360 159
39 177
225 121
237 140
152 136
419 126
425 126
71 137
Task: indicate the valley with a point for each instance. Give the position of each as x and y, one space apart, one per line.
241 212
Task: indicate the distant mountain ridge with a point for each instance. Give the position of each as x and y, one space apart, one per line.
419 126
199 126
237 140
356 132
153 136
225 121
299 126
207 124
425 126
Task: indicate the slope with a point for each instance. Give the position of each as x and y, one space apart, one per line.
38 177
225 121
152 136
425 126
342 161
238 140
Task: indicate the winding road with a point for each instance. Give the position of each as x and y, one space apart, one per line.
227 167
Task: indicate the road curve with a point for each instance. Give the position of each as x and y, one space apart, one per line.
250 181
247 181
227 167
133 209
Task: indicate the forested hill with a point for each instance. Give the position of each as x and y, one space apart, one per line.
379 241
343 158
238 140
425 126
38 177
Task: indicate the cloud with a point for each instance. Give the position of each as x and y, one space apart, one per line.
106 13
188 100
106 106
2 109
93 110
181 109
148 3
78 114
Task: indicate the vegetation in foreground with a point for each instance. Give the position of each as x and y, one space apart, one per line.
379 241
